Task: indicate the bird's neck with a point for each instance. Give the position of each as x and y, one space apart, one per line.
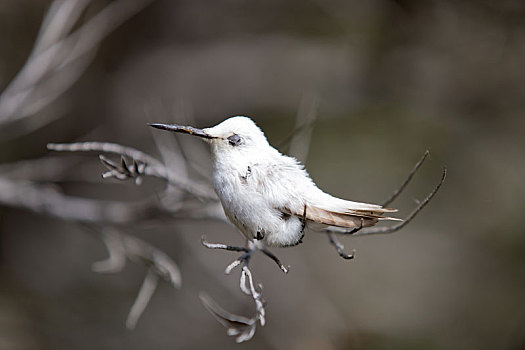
239 160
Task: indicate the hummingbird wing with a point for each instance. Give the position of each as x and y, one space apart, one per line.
328 210
288 188
331 218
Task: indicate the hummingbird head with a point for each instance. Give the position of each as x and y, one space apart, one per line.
233 134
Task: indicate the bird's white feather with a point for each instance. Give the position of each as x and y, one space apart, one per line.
264 192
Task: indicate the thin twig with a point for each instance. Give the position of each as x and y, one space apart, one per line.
400 189
302 133
222 246
121 246
106 147
122 171
275 259
236 325
383 230
339 247
55 50
153 167
117 254
149 285
248 252
196 153
241 327
57 23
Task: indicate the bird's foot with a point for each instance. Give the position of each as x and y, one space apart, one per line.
251 247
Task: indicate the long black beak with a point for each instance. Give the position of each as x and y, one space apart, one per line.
184 129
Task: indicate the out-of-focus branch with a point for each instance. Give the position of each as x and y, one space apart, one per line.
160 266
47 200
148 287
194 151
48 169
167 145
152 166
243 328
59 57
302 133
123 171
299 138
58 21
108 147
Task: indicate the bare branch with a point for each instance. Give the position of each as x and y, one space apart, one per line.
299 137
222 246
166 144
47 200
58 59
160 263
398 191
391 229
197 155
117 254
249 289
252 246
302 134
275 259
121 246
122 171
152 166
48 169
340 247
146 291
106 147
239 326
57 22
236 325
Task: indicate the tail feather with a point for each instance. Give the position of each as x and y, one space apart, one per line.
331 218
347 214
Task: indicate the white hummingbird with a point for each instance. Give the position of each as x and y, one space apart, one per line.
267 195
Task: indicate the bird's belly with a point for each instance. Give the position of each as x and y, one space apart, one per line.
254 216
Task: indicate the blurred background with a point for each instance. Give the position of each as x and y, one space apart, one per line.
386 79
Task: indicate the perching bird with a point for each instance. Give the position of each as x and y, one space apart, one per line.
269 196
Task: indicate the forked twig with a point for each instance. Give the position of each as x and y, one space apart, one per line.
122 171
47 200
160 266
106 147
382 230
359 231
252 246
60 55
243 328
151 166
400 189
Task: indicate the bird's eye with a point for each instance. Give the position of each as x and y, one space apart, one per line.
235 140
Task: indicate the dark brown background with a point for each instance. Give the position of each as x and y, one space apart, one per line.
394 78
